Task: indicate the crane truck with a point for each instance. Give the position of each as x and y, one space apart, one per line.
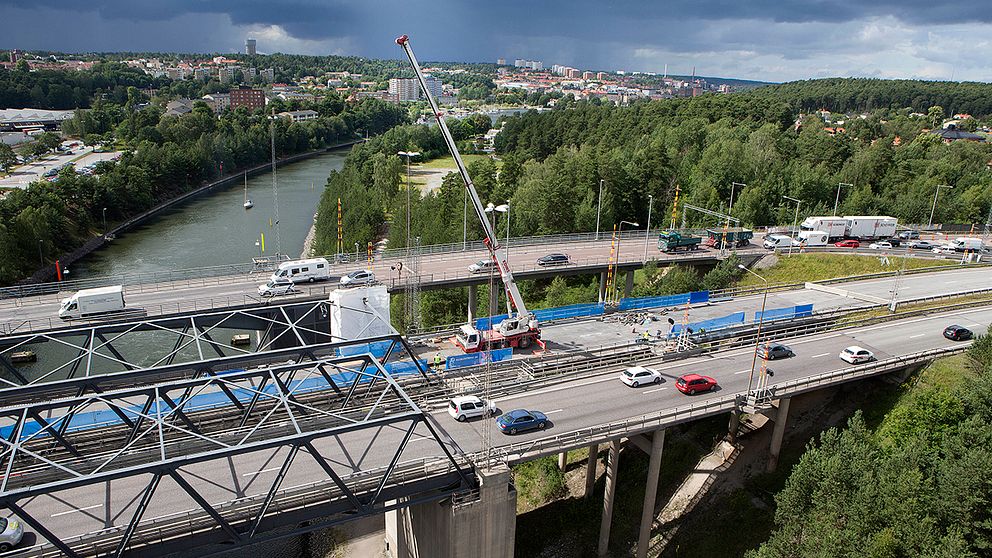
520 327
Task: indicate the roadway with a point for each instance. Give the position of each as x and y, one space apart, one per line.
571 405
22 176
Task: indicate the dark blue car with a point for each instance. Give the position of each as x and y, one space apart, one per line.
519 420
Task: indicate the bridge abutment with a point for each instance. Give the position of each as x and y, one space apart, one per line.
480 528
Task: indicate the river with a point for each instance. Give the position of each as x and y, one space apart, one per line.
215 229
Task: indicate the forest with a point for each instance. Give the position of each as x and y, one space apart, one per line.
66 90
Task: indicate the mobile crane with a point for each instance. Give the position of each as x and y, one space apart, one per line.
519 329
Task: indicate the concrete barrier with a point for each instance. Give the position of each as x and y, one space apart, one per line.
845 293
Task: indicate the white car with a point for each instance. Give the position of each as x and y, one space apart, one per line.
469 406
880 246
856 355
639 376
11 533
356 278
944 250
482 266
276 288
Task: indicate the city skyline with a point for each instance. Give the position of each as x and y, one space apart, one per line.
758 41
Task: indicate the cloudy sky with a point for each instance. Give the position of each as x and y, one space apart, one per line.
774 40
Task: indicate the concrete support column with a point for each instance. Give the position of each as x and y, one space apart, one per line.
494 299
735 425
629 287
591 470
602 287
562 461
610 491
473 293
650 491
781 418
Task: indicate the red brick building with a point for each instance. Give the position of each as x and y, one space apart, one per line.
247 97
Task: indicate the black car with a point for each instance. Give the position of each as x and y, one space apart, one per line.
957 333
772 352
553 259
894 241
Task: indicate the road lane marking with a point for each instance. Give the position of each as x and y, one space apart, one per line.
654 390
260 472
553 412
819 355
76 510
917 335
742 372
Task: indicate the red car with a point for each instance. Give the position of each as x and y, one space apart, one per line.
848 244
695 383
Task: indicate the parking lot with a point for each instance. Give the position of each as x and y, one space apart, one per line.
80 156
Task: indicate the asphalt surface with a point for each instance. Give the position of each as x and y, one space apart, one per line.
570 406
24 175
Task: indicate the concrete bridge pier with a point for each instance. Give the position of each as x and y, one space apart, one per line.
781 418
628 288
612 461
562 461
591 470
477 528
734 427
602 287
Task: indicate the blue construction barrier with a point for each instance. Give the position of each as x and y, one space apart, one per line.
474 359
663 301
211 400
484 324
377 349
801 311
730 320
570 311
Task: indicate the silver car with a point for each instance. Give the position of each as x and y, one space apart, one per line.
11 533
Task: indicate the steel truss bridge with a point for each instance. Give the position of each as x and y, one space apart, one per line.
194 449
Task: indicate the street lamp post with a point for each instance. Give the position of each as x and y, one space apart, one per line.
934 208
409 155
599 207
732 185
104 220
837 199
647 230
356 252
761 320
795 221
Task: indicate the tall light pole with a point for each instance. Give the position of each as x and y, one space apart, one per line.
104 220
761 320
795 221
837 199
619 244
647 230
409 155
732 185
599 207
502 208
934 208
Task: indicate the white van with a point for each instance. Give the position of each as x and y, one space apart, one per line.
773 241
92 302
813 238
298 271
963 243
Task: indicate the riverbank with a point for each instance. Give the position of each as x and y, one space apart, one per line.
47 273
308 241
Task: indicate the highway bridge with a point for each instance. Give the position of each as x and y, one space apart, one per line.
239 448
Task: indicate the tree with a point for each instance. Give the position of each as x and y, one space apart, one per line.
935 116
7 157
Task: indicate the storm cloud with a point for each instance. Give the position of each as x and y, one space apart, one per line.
754 39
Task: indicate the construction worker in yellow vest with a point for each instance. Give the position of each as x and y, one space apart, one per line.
438 360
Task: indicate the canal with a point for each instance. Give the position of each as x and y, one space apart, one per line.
215 229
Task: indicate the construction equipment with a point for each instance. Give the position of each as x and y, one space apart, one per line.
520 328
726 219
673 241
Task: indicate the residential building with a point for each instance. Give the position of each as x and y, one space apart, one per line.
601 76
406 89
15 55
501 61
588 76
230 74
247 97
268 74
951 134
300 115
250 73
203 74
179 107
250 47
219 102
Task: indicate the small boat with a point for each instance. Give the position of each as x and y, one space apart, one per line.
248 203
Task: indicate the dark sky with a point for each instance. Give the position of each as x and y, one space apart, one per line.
774 40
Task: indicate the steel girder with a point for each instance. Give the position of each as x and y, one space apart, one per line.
183 432
101 348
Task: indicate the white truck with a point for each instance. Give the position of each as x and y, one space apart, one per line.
966 243
298 271
835 227
813 238
867 227
93 302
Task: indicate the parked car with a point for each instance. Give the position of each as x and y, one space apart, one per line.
639 376
276 287
482 266
921 245
469 406
694 383
774 351
356 278
855 355
883 245
553 259
909 235
848 244
11 533
519 420
957 333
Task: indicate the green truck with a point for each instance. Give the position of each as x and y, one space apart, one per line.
736 237
673 241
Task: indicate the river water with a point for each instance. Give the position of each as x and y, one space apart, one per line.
215 229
